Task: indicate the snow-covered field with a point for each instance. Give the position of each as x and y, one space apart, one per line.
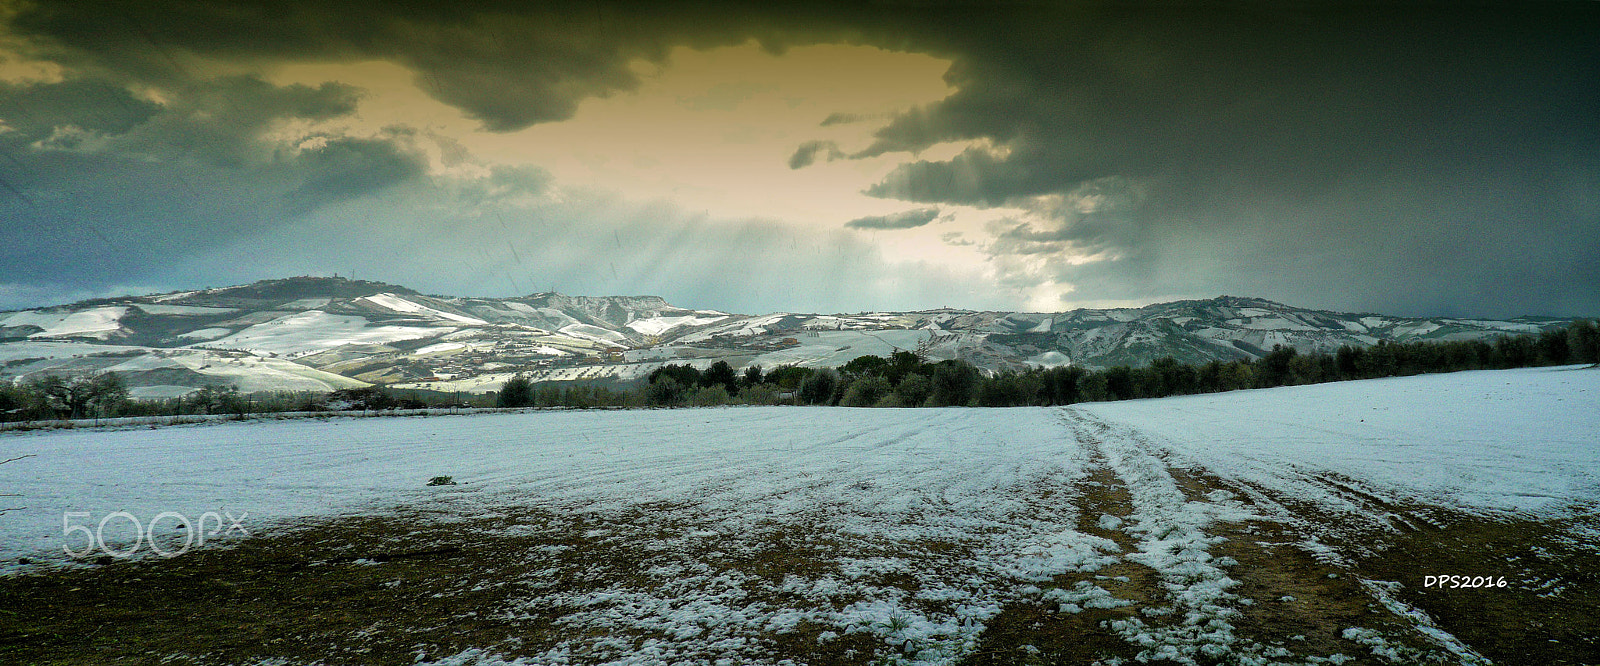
835 348
923 525
315 330
1496 441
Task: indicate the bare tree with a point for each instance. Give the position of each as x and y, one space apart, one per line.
15 508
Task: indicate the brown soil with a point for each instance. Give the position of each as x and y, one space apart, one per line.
308 595
447 585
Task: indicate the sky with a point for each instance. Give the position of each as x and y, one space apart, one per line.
1403 158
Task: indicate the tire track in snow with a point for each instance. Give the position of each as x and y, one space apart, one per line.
1194 533
1171 541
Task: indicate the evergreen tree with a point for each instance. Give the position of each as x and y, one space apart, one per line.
914 390
901 364
517 392
1060 385
1583 340
1120 383
818 387
1275 366
788 376
752 376
721 374
685 374
862 366
953 384
1553 348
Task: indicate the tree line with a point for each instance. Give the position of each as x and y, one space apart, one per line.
907 380
903 379
104 395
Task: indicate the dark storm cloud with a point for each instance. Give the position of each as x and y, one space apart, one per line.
904 220
1398 157
508 64
972 178
102 186
807 153
1416 158
846 118
136 160
217 119
222 120
34 111
347 168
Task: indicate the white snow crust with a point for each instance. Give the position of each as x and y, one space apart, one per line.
893 493
92 323
315 330
659 325
398 304
1525 440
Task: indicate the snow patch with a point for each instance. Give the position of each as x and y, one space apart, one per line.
315 330
398 304
98 322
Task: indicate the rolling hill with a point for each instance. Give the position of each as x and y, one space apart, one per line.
320 334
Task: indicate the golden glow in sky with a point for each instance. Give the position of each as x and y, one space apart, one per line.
709 131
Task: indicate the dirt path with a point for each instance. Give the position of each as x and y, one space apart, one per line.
1318 583
1205 576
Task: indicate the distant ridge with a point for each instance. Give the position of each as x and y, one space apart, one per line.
322 333
307 287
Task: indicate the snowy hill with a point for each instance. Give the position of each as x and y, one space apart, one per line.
309 333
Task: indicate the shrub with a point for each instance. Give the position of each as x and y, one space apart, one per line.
517 392
371 397
953 384
759 394
665 392
709 396
913 390
817 388
866 391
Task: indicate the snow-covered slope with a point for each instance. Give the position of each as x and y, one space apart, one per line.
371 332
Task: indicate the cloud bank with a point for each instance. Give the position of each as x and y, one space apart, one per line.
1405 158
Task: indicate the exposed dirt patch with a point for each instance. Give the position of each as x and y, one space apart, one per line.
1549 611
1292 599
1298 601
391 589
1545 615
1038 633
368 590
